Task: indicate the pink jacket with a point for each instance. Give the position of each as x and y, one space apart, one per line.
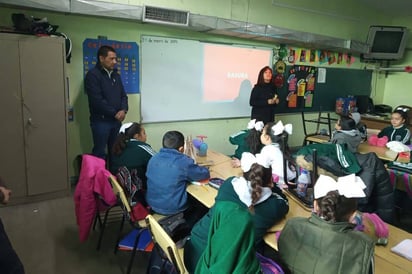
93 183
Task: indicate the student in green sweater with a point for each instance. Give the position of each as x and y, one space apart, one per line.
254 192
247 141
398 130
131 150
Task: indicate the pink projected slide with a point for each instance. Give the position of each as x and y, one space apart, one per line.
226 67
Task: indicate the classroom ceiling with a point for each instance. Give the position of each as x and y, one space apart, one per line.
392 7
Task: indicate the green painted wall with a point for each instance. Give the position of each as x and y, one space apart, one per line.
328 17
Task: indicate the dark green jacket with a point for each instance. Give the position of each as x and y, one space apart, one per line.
239 139
266 214
136 155
334 152
230 243
312 245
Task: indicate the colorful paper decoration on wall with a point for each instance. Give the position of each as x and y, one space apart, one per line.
301 86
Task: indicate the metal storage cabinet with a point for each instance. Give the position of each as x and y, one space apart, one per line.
33 139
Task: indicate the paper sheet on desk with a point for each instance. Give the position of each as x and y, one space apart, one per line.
404 249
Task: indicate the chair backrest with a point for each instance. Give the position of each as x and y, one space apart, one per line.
119 191
166 244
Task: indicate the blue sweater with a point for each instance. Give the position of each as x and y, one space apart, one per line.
106 94
167 174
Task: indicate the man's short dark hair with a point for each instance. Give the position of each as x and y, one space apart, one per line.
104 51
173 139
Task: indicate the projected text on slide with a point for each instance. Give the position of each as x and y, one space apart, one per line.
192 80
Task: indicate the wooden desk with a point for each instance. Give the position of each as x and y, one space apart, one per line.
375 122
222 168
385 260
207 194
317 139
382 152
212 158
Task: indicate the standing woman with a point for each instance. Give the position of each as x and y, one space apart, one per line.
264 98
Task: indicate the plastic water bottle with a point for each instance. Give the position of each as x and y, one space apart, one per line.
303 182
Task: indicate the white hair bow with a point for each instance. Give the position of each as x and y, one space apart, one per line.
350 186
124 127
248 159
278 128
257 125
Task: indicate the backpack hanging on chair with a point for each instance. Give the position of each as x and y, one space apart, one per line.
133 188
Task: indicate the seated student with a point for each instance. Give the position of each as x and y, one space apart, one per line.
346 133
326 241
253 191
398 130
359 125
131 150
230 242
168 173
273 137
247 140
9 260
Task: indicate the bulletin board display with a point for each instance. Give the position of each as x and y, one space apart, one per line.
302 91
127 60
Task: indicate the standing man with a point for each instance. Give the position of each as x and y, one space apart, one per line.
107 101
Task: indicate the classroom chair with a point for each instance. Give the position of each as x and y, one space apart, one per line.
165 242
140 242
317 136
110 215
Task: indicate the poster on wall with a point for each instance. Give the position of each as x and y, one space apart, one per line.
301 86
127 60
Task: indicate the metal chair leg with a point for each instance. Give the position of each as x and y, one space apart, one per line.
102 227
119 234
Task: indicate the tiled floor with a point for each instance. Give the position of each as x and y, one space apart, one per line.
45 236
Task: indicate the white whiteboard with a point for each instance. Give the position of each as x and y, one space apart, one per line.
193 80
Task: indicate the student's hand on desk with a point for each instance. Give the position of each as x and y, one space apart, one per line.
235 162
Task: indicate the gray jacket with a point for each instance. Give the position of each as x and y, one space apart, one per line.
352 139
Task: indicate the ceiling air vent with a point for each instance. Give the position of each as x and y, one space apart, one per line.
165 16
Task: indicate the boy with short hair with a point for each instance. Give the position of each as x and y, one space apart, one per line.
168 173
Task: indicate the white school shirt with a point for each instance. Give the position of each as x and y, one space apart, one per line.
274 155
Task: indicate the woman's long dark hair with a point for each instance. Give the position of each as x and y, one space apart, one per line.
261 80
